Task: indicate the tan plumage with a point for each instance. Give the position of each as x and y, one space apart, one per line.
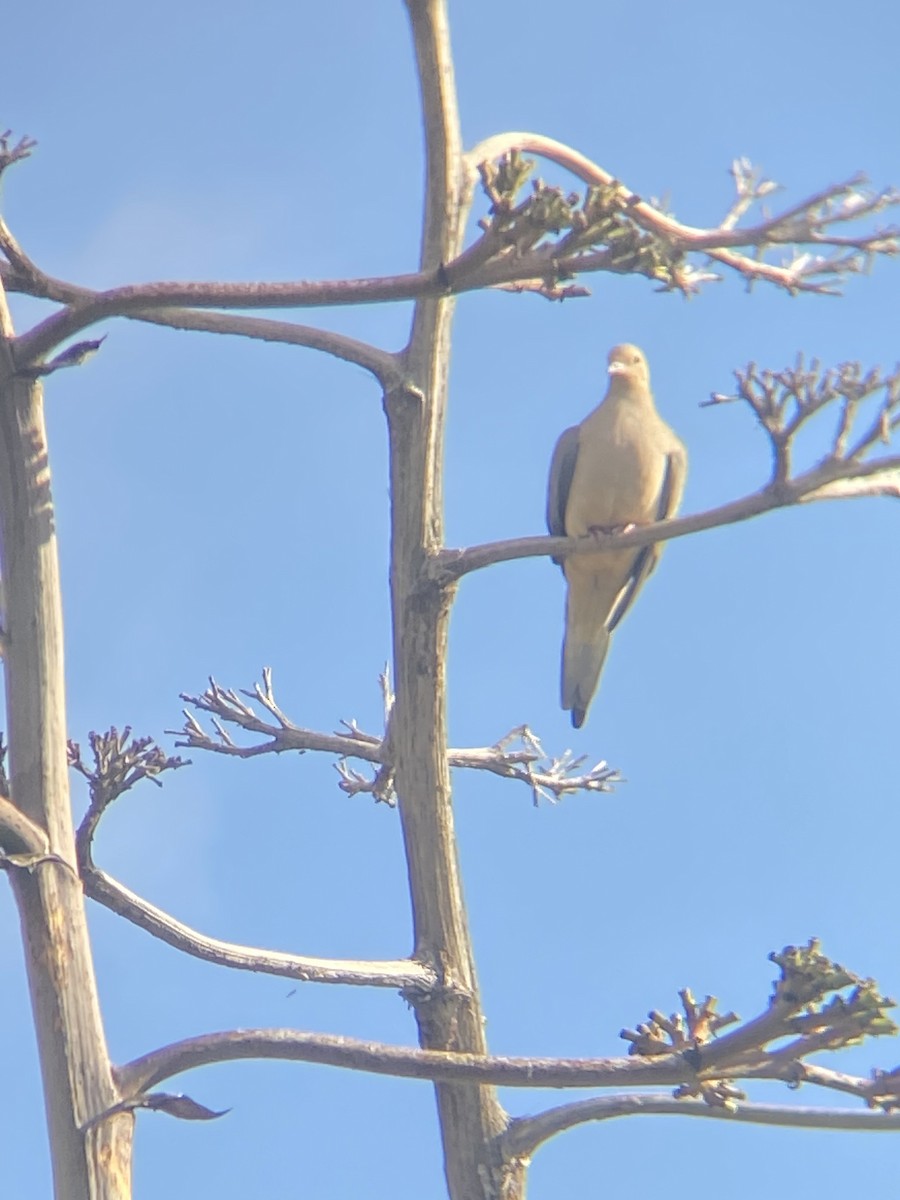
621 466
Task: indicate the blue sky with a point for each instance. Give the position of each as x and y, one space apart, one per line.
223 506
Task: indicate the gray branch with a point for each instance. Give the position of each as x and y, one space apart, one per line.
526 1134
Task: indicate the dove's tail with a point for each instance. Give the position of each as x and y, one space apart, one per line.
584 650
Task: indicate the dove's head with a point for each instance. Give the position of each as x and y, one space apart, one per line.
628 367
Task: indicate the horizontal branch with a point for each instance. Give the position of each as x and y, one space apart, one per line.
397 973
449 565
549 778
145 302
517 755
380 1058
85 307
830 480
491 261
525 1134
816 1002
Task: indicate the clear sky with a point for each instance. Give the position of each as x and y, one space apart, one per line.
223 506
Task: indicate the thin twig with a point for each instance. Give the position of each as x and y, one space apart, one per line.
517 755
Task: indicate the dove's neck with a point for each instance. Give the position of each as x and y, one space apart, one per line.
627 392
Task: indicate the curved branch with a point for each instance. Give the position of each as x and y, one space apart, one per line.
85 307
718 241
525 1134
408 1062
380 1058
118 767
398 973
381 363
689 236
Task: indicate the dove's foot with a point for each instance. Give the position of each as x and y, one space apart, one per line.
605 530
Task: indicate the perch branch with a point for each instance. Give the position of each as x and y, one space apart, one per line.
782 402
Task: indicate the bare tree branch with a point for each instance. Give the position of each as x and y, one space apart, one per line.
518 754
449 565
504 257
12 154
536 242
882 479
397 973
806 223
85 307
477 268
817 1000
83 302
382 1059
782 402
806 978
380 363
117 767
414 1063
526 1134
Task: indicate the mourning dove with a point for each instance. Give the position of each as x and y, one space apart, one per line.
621 466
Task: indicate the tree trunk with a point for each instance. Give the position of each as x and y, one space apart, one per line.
90 1161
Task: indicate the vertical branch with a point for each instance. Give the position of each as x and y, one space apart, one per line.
88 1163
450 1017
